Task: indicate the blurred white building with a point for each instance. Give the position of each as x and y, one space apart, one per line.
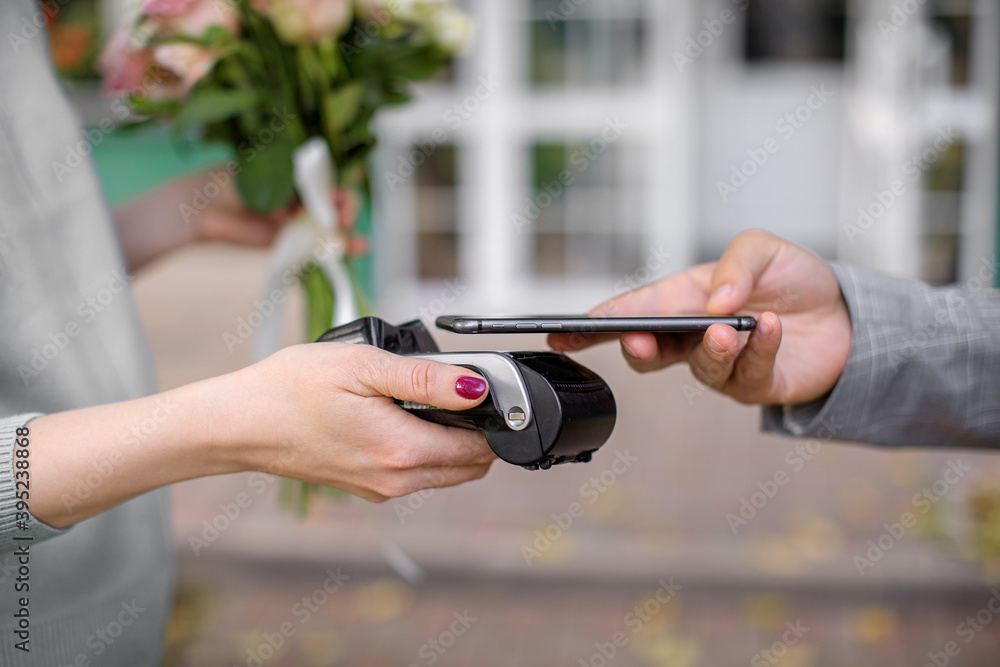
585 146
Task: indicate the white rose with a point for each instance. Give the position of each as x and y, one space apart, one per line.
453 30
299 21
418 11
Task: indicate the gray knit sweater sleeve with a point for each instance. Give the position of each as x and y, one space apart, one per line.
14 522
924 367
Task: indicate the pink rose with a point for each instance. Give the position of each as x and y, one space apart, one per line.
165 72
123 63
191 18
133 62
308 20
165 7
189 62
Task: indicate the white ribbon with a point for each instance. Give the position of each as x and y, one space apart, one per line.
313 236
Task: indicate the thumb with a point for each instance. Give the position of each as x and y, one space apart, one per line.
738 270
422 381
348 205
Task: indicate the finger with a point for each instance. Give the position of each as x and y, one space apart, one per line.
640 302
446 476
753 376
643 354
283 215
362 492
738 270
434 478
643 301
647 352
569 342
436 445
679 294
358 246
638 345
640 350
238 227
381 373
348 204
712 361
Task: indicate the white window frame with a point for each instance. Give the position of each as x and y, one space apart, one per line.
493 170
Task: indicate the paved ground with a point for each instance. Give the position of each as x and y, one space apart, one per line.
231 614
546 590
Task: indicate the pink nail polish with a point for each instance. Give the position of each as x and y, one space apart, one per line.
470 388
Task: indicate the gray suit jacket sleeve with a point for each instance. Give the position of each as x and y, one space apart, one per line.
924 367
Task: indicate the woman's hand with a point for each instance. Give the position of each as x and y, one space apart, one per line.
761 275
205 206
229 220
324 413
321 413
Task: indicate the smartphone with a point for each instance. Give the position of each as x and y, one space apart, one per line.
584 324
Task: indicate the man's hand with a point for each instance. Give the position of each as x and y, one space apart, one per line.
794 358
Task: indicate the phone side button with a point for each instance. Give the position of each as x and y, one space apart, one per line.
526 325
551 325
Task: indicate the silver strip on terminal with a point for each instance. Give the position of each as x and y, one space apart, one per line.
507 387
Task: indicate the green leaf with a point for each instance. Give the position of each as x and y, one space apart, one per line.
418 70
320 300
135 126
341 107
221 133
395 97
211 106
265 181
359 133
332 60
215 35
143 106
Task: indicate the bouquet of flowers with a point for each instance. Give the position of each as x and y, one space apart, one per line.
292 86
